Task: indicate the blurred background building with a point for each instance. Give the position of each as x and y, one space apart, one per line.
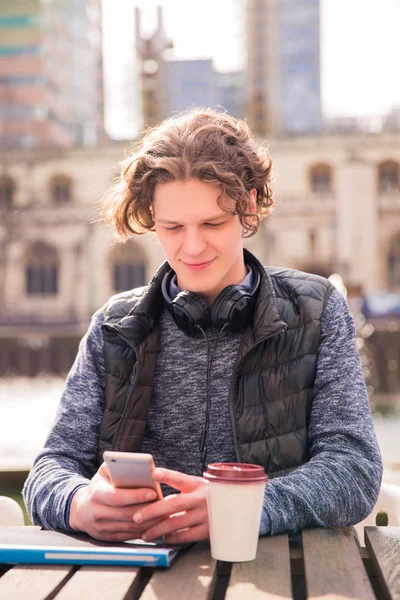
152 73
79 79
338 212
337 179
50 73
169 86
196 83
283 66
188 80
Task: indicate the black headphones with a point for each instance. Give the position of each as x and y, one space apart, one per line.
233 306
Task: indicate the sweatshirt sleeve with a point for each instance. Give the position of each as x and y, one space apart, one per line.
340 483
68 459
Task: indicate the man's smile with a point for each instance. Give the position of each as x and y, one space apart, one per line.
199 266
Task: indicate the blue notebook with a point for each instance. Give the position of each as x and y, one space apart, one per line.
33 545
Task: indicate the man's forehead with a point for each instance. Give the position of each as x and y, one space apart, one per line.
172 217
184 186
189 200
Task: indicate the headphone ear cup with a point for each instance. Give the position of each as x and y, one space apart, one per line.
218 309
233 307
190 312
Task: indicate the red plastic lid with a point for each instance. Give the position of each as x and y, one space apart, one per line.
236 472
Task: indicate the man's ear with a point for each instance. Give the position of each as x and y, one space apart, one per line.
252 202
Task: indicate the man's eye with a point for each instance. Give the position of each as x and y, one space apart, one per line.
175 228
214 224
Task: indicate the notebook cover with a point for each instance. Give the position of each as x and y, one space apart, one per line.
33 545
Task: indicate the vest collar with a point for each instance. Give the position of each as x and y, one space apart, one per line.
143 317
267 320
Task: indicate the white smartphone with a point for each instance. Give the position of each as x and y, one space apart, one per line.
132 470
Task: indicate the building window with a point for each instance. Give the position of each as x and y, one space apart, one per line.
41 270
321 179
128 267
61 189
7 192
388 177
394 262
126 277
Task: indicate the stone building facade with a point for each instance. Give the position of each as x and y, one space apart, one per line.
337 210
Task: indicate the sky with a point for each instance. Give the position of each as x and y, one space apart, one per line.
360 50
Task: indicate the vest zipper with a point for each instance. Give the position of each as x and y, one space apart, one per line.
233 386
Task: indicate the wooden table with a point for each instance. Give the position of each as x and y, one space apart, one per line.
331 566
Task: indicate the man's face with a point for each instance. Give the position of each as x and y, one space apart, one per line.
202 242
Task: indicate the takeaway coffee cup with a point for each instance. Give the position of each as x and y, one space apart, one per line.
235 493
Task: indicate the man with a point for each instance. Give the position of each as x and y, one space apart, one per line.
217 359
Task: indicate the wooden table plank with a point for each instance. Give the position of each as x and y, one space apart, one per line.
191 577
33 582
383 545
267 577
333 566
101 583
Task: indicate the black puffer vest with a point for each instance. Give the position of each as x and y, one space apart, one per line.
272 383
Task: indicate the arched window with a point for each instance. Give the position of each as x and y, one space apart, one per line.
41 270
7 192
128 267
321 179
61 189
388 177
394 262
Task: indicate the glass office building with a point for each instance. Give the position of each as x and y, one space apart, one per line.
283 66
50 73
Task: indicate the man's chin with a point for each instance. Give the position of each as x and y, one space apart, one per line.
195 289
191 283
200 290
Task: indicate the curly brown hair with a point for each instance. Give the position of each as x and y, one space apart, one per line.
201 144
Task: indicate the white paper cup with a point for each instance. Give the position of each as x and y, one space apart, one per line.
235 494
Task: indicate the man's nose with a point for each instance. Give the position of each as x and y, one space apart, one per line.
194 242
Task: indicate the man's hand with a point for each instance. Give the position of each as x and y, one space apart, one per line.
179 518
105 512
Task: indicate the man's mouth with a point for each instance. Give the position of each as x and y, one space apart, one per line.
198 266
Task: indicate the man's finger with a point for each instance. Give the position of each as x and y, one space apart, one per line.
126 527
103 512
173 504
103 471
177 480
105 493
175 523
